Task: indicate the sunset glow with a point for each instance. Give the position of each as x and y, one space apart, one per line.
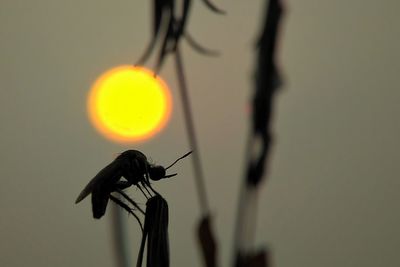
129 104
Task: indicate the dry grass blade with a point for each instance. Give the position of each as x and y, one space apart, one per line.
155 233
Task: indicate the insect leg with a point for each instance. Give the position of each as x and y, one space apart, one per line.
123 194
147 184
140 188
127 208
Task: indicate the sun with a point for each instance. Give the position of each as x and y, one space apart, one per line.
129 104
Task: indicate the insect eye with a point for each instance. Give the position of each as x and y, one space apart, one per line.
157 172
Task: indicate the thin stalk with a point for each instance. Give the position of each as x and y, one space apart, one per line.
243 232
259 138
198 171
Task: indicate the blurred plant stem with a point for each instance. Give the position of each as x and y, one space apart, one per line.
267 81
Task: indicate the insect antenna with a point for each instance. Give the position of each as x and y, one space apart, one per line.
127 208
170 175
184 156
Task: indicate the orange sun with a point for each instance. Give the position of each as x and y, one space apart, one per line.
129 104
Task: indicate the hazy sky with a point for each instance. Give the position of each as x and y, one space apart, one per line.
331 198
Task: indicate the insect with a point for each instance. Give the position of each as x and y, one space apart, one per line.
136 170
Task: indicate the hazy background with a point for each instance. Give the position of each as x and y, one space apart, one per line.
332 194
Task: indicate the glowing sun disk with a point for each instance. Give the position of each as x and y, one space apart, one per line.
129 104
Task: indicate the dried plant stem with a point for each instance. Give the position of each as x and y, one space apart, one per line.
198 171
245 223
259 141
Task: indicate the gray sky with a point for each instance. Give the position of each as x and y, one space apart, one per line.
331 198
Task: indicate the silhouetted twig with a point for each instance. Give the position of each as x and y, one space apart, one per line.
168 30
156 233
204 231
191 133
259 142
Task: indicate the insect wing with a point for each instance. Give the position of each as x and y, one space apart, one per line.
100 198
109 174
